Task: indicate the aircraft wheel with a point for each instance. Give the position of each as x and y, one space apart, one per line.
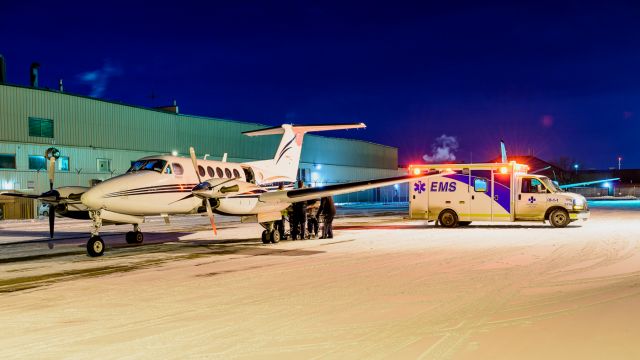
448 218
95 246
265 237
275 236
559 218
134 237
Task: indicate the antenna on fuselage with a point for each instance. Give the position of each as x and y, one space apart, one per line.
224 157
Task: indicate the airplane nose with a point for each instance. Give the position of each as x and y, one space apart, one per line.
93 199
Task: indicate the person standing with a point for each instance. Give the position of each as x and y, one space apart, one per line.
328 211
299 217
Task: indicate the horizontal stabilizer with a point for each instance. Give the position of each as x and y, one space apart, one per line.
304 129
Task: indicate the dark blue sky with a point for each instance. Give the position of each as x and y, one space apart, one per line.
554 79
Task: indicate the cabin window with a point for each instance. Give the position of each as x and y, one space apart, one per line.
219 172
480 185
201 170
228 173
210 172
236 173
177 169
532 186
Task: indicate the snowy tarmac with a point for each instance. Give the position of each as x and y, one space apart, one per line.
384 287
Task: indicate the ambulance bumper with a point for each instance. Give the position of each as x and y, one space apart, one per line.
582 215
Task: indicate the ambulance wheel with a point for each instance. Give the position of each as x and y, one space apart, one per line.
464 223
95 246
448 218
559 218
265 237
275 236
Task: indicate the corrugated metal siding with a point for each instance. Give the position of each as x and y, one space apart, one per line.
86 122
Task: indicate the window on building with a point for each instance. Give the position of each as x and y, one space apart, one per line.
63 163
104 165
37 162
7 161
40 127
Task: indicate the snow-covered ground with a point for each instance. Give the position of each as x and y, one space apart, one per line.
384 287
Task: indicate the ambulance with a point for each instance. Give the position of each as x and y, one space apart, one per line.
461 193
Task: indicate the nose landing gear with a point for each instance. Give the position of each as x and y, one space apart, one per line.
95 244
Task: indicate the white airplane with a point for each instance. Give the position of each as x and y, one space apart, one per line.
169 185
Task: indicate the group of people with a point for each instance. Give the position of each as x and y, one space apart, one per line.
304 217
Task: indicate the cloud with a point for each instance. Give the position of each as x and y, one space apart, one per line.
442 150
99 79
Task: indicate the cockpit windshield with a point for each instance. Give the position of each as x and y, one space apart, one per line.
156 165
550 184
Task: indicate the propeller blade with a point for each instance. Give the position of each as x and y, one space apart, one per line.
211 219
52 221
192 152
52 171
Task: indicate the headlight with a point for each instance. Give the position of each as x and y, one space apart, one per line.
578 204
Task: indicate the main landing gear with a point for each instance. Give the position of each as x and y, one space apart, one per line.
271 234
95 244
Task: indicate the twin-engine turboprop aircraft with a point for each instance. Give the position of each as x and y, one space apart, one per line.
170 185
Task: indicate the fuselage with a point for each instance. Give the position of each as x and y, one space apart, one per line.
161 185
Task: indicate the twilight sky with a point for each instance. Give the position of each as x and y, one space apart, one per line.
553 78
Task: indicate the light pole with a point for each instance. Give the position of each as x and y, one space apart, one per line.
619 162
575 166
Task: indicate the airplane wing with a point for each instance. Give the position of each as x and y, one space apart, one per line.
20 195
297 195
587 183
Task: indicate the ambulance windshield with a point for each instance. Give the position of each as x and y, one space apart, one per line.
551 186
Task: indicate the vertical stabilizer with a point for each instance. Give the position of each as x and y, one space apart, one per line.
285 163
503 152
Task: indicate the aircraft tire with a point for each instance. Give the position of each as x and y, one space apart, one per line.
265 237
559 218
274 236
95 246
448 218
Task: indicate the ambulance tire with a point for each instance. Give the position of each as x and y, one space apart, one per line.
559 218
464 223
448 218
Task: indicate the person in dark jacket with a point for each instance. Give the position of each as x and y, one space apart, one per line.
299 217
328 211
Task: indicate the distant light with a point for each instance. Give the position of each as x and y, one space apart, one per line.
575 166
607 184
318 166
395 186
416 171
174 153
503 170
315 177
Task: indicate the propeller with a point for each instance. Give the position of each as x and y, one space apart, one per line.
192 152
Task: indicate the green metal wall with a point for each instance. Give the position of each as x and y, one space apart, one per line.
86 122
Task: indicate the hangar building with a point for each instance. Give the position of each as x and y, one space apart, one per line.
99 139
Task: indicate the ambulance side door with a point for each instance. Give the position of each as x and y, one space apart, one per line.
480 190
531 199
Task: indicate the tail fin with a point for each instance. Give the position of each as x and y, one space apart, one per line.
503 152
284 166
